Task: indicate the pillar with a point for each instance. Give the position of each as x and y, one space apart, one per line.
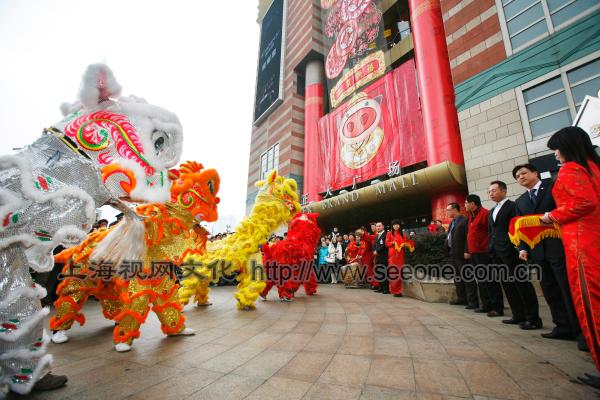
313 111
436 91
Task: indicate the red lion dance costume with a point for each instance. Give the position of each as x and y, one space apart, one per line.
291 260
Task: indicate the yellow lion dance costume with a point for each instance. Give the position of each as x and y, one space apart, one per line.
171 233
276 204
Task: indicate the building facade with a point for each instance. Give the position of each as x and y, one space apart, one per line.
507 73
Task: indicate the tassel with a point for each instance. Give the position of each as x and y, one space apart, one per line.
124 243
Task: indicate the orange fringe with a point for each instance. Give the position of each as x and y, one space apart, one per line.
121 337
518 224
71 316
133 314
168 330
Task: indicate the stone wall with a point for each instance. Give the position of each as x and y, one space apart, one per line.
493 143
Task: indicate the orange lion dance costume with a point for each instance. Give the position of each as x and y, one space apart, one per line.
171 233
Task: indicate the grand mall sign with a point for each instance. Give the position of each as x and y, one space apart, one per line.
429 181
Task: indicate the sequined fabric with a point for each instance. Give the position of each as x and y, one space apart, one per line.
51 190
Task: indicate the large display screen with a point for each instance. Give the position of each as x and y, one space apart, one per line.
269 76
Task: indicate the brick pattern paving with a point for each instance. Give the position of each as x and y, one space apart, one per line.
341 344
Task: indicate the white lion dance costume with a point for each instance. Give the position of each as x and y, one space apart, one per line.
106 149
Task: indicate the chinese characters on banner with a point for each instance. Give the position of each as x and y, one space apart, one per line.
376 127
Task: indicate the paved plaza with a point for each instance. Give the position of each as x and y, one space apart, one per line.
341 344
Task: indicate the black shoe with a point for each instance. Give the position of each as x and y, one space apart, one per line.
385 292
482 310
377 290
471 307
398 295
495 313
457 303
512 321
50 382
531 325
557 335
581 343
590 380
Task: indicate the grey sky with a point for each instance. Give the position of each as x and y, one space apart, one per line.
196 58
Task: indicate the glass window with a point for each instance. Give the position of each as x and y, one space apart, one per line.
569 10
525 19
584 80
527 22
547 103
514 7
269 160
551 123
543 89
529 34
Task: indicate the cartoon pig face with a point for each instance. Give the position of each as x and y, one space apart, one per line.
360 120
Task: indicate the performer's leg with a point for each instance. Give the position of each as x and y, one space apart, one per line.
134 311
249 288
72 295
310 287
201 296
167 307
268 287
109 300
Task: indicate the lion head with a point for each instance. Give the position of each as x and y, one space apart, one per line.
132 142
196 189
280 188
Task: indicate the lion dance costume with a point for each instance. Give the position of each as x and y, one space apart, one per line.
291 260
171 235
276 203
107 148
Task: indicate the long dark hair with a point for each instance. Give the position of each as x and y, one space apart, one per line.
575 145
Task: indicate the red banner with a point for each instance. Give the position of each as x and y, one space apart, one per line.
379 126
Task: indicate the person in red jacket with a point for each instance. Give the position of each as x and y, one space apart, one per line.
369 239
355 253
577 195
396 242
478 238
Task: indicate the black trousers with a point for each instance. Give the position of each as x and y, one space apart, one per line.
555 286
466 290
490 290
381 273
521 296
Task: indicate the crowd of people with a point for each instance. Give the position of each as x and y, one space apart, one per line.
364 258
568 266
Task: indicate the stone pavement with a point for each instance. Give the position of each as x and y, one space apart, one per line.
342 344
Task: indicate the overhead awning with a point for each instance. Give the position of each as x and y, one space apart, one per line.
412 191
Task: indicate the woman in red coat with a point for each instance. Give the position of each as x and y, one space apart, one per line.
577 196
395 241
369 239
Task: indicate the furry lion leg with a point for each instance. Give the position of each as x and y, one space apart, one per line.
202 291
248 291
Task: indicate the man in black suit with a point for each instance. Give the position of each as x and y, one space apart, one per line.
521 295
549 254
456 244
380 252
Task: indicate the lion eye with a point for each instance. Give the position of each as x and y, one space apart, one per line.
211 186
159 143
